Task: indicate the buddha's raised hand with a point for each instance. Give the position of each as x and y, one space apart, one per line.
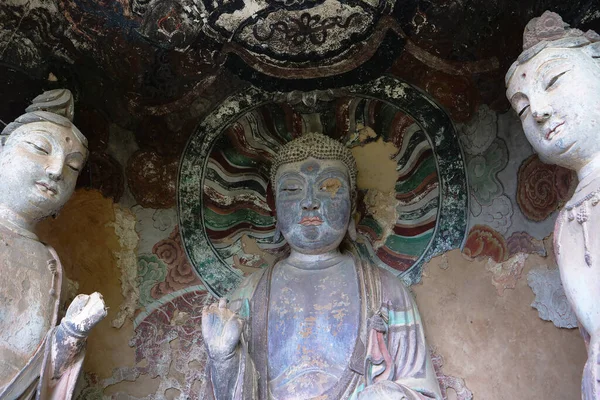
221 329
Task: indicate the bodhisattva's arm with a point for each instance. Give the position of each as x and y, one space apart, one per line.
71 335
67 347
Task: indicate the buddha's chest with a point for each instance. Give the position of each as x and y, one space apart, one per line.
313 325
26 301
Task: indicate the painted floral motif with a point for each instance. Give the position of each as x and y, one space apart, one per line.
506 274
542 188
550 298
484 241
498 215
151 270
523 242
306 27
449 382
163 219
180 273
479 133
483 169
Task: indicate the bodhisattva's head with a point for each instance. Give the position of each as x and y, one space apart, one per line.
554 87
41 155
314 181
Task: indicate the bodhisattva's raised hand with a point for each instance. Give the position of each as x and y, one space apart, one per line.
221 329
84 313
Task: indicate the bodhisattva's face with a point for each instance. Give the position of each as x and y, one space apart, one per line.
39 166
314 204
557 95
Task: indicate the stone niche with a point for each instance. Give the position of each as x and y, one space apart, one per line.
448 207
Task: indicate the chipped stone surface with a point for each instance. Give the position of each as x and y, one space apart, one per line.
449 382
506 274
380 175
550 298
126 258
383 208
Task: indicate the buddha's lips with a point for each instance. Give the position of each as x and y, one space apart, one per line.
308 221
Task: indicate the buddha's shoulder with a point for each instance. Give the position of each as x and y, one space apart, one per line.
245 290
392 288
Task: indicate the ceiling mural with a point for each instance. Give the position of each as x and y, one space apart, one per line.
225 200
284 40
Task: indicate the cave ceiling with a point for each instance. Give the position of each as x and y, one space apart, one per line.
157 66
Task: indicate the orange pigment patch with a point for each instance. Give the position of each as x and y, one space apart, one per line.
85 239
332 185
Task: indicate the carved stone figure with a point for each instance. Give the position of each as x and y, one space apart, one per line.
41 155
322 323
554 86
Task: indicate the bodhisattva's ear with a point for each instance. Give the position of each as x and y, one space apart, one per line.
352 229
592 50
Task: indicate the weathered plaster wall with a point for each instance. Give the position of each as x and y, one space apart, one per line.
497 344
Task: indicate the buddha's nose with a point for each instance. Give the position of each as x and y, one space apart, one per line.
310 203
542 114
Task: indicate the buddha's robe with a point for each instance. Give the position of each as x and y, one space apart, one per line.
30 294
390 344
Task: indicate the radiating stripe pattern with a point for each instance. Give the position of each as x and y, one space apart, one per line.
237 202
417 186
236 186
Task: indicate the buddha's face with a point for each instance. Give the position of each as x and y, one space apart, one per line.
39 165
557 95
313 203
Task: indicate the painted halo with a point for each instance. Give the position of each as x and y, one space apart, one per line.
224 202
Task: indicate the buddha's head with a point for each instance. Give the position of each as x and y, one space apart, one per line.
314 181
41 155
554 86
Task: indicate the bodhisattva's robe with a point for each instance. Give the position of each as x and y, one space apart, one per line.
30 294
397 354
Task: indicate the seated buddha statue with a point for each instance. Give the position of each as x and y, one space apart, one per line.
41 155
554 86
323 323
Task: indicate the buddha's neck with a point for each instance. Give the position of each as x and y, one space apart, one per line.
314 261
588 173
13 219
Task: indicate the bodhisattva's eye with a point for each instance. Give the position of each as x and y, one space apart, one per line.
74 167
523 110
39 147
555 79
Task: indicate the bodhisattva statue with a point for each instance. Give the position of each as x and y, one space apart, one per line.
323 323
41 155
554 86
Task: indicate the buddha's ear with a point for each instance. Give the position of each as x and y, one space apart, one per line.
352 229
592 50
276 234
